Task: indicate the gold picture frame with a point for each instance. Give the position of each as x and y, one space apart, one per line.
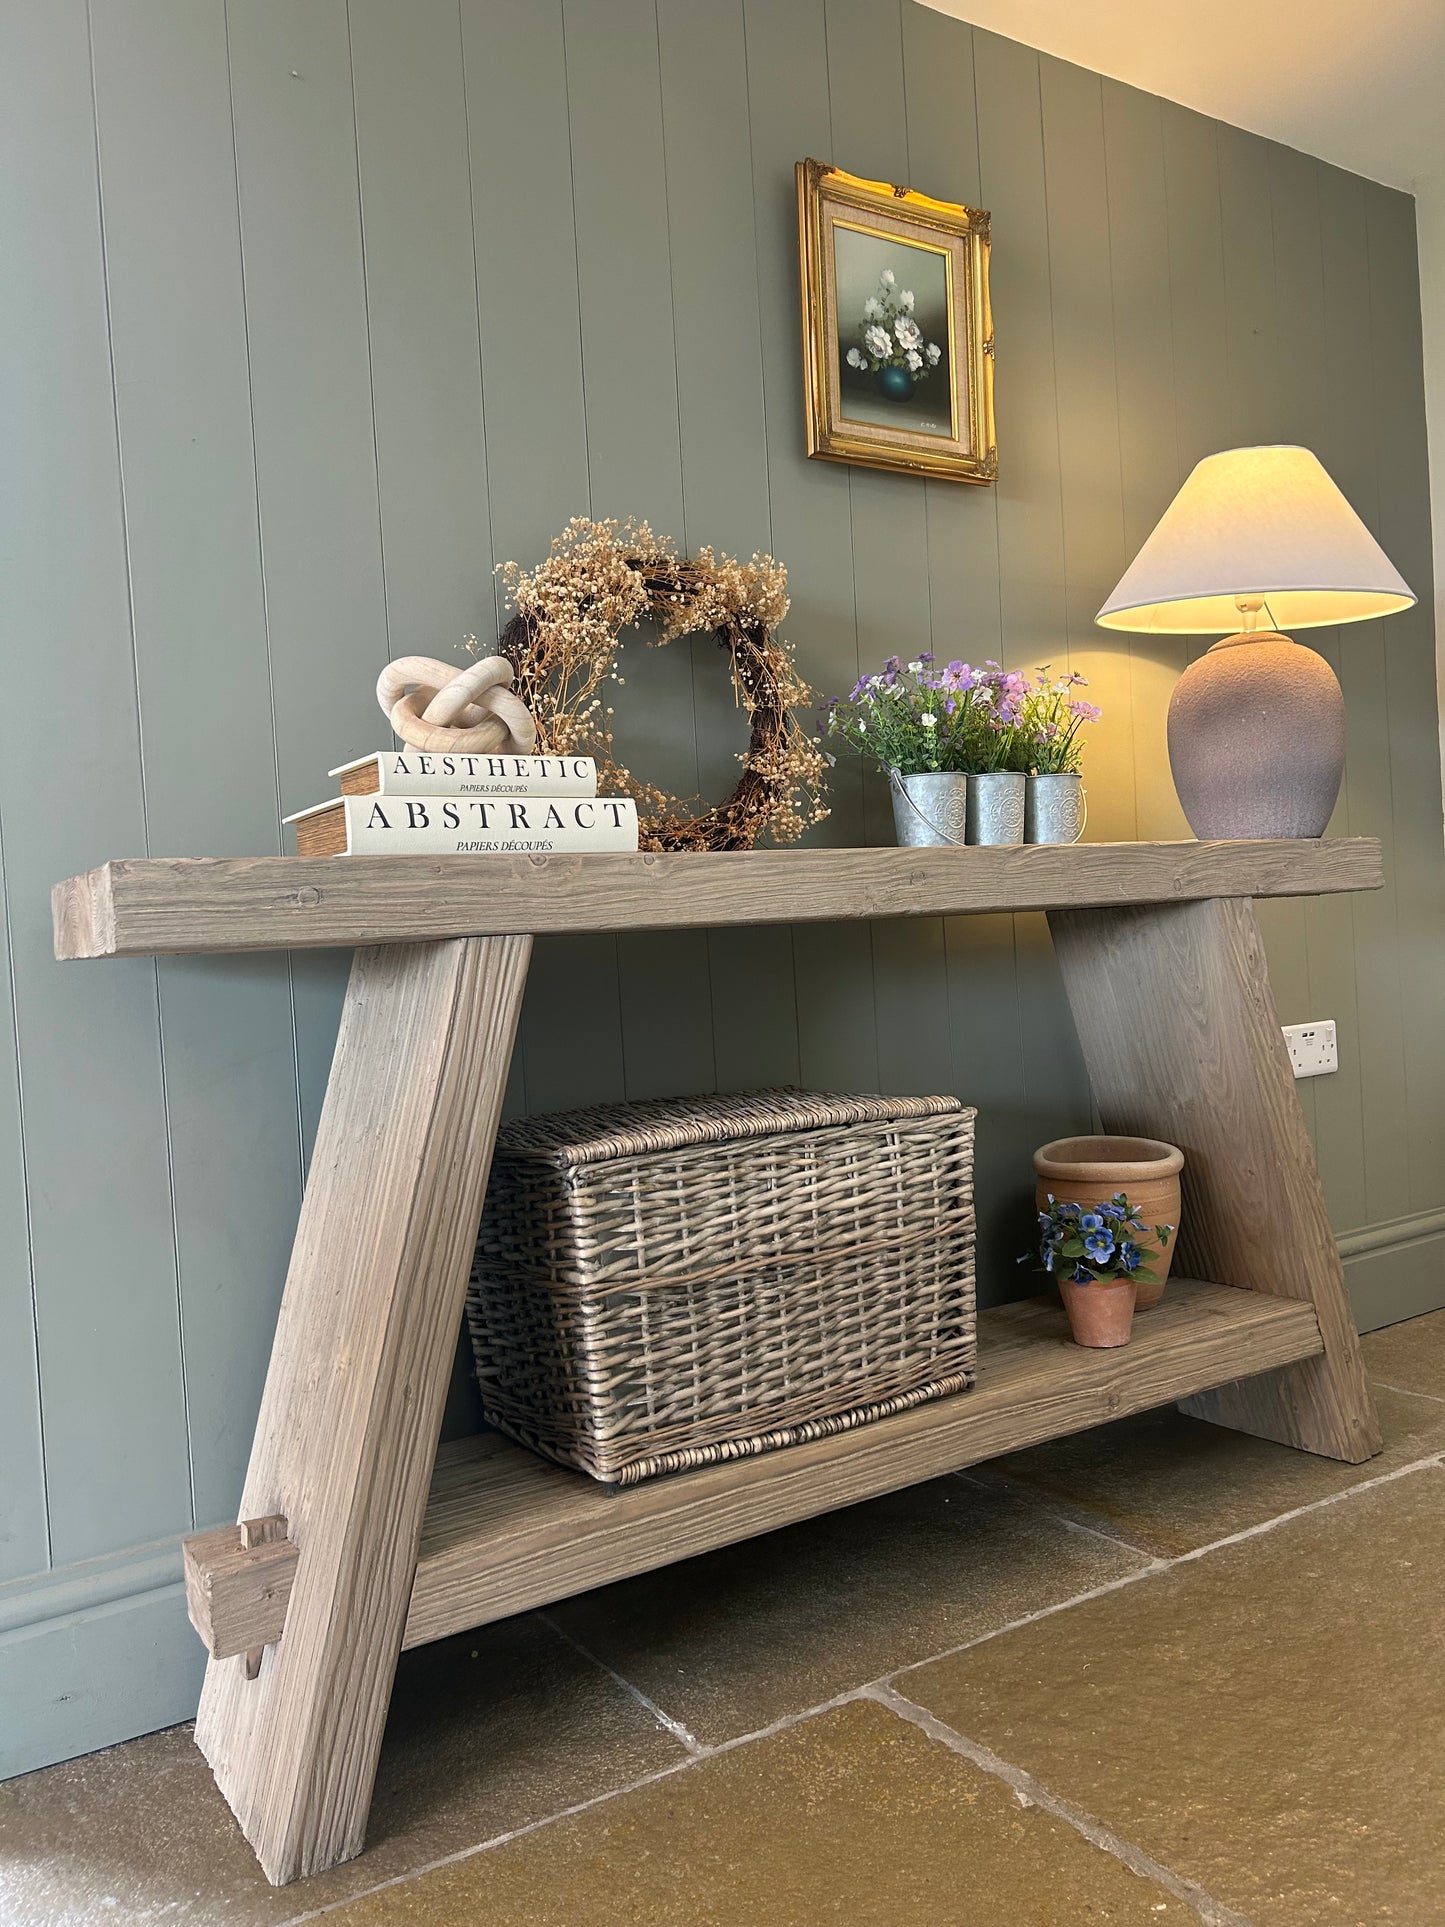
885 272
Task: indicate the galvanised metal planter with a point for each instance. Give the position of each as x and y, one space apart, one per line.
996 807
1054 808
930 810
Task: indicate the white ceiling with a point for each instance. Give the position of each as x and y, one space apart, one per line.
1357 82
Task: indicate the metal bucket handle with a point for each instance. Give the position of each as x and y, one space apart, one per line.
1078 835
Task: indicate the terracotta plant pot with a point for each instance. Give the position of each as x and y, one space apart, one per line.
1089 1170
1100 1315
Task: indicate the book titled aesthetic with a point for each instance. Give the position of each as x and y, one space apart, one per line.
381 825
415 772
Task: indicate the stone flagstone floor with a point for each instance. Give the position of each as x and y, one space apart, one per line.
1156 1673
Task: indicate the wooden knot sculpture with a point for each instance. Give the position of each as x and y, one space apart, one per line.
433 706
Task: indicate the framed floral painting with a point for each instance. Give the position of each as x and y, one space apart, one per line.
897 335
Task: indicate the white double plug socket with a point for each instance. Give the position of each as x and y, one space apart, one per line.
1312 1048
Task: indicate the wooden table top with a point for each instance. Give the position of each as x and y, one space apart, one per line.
168 906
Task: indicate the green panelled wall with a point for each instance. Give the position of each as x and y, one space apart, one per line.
310 314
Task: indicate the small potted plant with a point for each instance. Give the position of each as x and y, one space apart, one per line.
916 730
1099 1255
998 750
1052 715
1096 1168
948 739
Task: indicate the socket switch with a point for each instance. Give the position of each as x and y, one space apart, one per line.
1312 1048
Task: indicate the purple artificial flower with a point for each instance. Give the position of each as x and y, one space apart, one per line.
1087 711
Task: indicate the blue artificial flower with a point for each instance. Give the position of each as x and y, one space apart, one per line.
1046 1218
1090 1221
1048 1257
1082 1276
1129 1255
1111 1212
1099 1246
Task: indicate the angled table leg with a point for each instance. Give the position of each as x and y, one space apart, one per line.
352 1408
1179 1032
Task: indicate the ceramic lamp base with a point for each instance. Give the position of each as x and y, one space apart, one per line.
1257 739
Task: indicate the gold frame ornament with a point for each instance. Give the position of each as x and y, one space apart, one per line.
966 449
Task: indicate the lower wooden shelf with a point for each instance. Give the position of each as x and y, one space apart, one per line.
505 1531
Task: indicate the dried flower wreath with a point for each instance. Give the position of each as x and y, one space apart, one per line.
600 578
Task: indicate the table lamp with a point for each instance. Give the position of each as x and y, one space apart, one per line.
1257 725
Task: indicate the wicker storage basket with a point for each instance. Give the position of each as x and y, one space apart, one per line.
666 1284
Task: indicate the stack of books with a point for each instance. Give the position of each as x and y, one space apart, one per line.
412 803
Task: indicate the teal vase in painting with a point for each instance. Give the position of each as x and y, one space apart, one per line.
896 384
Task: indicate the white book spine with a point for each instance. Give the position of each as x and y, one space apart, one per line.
411 772
459 825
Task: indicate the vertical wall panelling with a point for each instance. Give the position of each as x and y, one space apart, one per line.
423 327
892 585
23 1536
717 328
1196 285
1256 413
1351 378
1055 1093
178 338
1404 529
1307 414
1090 485
426 377
315 438
788 112
421 306
89 1048
525 241
964 611
316 310
634 452
1144 377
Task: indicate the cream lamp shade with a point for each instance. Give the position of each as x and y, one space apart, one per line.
1256 525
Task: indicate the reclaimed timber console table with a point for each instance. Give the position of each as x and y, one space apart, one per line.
358 1537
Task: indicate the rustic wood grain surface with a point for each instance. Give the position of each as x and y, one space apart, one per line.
151 906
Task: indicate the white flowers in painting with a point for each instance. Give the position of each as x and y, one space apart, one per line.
889 336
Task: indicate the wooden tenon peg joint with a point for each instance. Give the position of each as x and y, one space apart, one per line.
238 1585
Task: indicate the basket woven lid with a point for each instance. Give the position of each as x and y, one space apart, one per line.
604 1131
